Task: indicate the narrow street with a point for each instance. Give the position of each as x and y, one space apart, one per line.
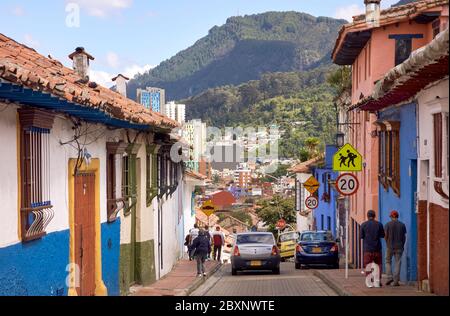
290 282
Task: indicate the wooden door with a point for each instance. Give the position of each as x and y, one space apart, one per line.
85 232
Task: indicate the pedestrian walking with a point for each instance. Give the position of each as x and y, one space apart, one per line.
395 236
193 235
208 234
372 232
201 246
218 242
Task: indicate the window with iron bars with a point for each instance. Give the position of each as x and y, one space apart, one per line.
36 210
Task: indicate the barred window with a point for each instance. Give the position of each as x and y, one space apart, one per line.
36 206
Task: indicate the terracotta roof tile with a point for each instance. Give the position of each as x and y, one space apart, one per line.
304 167
24 66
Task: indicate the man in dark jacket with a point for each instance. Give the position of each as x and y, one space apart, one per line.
395 242
371 233
201 246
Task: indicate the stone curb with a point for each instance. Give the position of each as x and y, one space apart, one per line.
198 282
335 287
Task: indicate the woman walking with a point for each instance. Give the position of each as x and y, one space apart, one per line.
201 246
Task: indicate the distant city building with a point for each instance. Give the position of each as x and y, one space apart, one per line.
194 132
152 98
176 111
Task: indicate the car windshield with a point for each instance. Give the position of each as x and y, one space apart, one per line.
290 236
255 239
316 237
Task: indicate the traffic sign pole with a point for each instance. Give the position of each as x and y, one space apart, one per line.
346 238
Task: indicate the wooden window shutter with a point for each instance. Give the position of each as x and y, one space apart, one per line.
393 129
382 154
438 154
115 202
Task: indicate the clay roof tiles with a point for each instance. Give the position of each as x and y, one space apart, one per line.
24 66
389 16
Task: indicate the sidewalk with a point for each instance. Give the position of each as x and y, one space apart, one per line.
181 281
355 285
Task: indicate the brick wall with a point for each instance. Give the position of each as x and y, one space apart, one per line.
439 252
422 242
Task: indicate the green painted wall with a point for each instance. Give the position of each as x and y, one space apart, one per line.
144 269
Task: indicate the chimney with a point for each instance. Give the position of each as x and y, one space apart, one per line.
121 84
81 63
372 12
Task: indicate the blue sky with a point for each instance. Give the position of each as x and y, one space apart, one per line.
129 36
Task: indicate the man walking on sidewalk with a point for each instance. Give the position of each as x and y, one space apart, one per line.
371 233
193 234
395 242
201 246
219 242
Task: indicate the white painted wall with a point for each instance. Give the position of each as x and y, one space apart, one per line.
9 212
59 159
303 222
431 100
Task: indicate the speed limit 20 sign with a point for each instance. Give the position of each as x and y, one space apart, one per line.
312 202
347 184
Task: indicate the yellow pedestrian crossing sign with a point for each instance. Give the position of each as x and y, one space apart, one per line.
347 158
311 185
208 208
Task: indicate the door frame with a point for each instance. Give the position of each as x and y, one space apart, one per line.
93 167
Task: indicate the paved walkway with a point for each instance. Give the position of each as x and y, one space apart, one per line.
355 285
181 281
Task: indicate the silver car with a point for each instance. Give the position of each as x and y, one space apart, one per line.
255 251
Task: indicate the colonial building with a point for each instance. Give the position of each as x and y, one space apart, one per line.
392 61
93 201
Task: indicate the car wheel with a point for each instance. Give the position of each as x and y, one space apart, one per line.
233 271
336 266
298 266
276 270
283 259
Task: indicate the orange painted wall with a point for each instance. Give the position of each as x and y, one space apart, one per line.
378 56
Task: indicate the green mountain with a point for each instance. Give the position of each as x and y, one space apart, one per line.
243 49
300 103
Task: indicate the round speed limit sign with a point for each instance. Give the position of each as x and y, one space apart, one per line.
347 184
312 202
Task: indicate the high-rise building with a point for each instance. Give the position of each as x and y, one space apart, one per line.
176 111
152 98
194 132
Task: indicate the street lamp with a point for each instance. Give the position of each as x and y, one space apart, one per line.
340 138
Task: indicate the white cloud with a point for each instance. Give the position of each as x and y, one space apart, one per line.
30 41
113 60
133 70
348 12
18 11
104 78
102 8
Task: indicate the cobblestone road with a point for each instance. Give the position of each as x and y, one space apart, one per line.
290 282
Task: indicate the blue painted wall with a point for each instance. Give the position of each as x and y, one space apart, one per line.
110 256
37 268
327 209
404 204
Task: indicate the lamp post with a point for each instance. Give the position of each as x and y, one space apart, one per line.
340 139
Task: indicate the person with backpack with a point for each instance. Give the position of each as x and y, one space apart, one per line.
193 233
201 246
219 242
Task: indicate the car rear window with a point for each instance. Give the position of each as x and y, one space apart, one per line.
290 236
316 237
255 239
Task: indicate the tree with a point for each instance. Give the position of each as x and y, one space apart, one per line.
216 179
271 211
340 79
